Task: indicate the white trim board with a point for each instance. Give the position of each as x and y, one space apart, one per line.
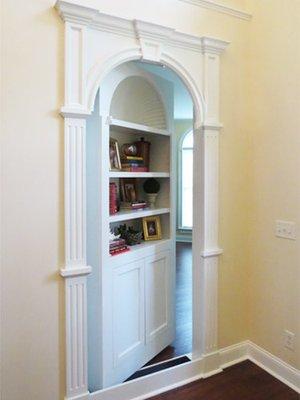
221 8
273 365
154 384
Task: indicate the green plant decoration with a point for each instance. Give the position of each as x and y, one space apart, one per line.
151 185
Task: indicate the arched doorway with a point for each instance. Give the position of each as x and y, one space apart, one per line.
92 51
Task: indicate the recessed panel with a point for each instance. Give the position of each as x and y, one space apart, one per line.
128 310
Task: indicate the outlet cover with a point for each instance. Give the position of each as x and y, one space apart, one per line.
289 340
286 229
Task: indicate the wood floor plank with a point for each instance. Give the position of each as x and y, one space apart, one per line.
245 381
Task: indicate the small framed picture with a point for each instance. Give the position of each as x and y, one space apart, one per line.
128 189
114 155
152 228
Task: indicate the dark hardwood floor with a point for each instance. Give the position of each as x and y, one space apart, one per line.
183 340
244 381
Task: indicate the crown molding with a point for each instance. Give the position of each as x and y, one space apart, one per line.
221 8
142 30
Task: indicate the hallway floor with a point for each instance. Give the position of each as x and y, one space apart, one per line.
244 381
183 341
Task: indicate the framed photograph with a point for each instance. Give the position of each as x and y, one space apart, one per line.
152 228
114 155
128 190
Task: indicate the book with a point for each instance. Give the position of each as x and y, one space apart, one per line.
133 205
135 169
113 206
129 163
116 243
114 253
136 158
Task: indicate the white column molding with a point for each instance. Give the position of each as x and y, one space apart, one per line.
75 198
75 270
76 334
208 275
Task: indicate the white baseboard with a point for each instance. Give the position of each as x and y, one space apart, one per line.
154 384
273 365
234 354
162 381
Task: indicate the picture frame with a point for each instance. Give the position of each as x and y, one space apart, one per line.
114 155
152 228
128 190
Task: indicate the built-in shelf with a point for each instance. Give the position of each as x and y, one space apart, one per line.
124 174
131 127
128 215
143 247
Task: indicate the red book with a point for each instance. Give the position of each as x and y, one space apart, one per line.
119 251
113 208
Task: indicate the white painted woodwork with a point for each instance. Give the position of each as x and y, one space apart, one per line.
221 8
128 315
159 281
76 331
75 237
122 174
130 127
96 44
148 107
129 215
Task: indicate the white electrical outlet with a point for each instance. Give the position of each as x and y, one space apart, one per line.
289 340
286 229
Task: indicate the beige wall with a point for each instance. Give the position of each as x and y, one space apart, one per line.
257 168
274 128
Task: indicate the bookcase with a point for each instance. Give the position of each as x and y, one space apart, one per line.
131 293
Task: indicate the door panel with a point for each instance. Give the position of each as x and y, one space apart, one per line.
128 313
159 316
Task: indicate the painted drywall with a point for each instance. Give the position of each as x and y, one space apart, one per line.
274 92
32 183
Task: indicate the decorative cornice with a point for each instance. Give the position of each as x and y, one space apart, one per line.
143 31
213 46
76 271
221 8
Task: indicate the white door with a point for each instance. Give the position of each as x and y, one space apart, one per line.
142 316
159 301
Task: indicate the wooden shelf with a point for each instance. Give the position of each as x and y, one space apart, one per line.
127 215
125 174
131 127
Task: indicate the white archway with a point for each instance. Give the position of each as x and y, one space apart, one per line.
95 44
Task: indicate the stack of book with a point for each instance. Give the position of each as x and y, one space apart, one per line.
133 205
113 204
118 246
133 164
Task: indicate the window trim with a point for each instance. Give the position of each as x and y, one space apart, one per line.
179 182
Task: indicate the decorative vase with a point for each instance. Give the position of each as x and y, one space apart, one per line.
151 197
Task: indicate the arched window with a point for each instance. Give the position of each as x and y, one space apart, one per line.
185 217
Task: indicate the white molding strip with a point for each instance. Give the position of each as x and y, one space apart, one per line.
248 350
81 270
138 29
275 366
211 253
221 8
154 384
163 381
